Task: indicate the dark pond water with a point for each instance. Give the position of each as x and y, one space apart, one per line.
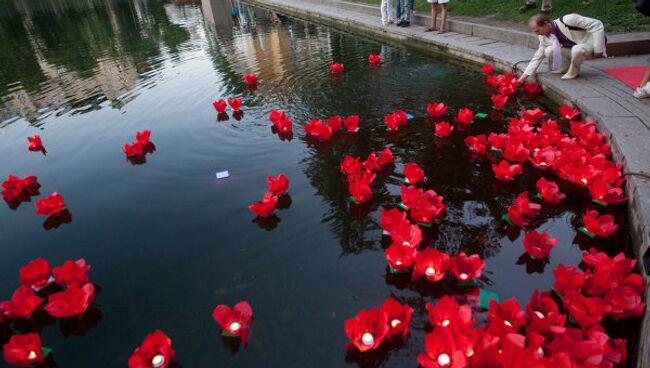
167 242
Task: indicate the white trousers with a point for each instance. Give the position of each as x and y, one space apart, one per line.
572 58
386 11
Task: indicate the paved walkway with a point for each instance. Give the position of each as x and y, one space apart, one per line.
608 102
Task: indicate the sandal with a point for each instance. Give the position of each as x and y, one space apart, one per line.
430 29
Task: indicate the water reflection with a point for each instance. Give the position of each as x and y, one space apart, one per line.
76 55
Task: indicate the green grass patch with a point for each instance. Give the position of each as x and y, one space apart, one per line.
618 15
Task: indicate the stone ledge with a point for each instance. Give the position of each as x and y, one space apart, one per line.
627 132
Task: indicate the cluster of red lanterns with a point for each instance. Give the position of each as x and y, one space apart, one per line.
360 175
540 335
220 106
65 291
370 328
562 327
156 349
403 255
558 328
16 190
323 131
276 187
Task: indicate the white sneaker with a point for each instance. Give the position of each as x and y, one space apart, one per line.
642 92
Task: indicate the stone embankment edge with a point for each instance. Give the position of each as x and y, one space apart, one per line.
628 134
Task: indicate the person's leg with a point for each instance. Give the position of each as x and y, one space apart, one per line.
579 53
434 16
398 10
546 6
404 11
528 4
407 10
443 19
384 12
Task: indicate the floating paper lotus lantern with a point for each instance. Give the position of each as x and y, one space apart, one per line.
155 352
443 129
235 321
539 245
436 110
35 144
506 172
398 317
367 330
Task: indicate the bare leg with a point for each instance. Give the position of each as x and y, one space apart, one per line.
434 15
443 19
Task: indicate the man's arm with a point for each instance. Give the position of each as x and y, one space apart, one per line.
534 63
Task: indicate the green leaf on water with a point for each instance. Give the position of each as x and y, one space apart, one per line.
599 202
46 351
228 334
506 218
472 282
394 271
484 298
586 232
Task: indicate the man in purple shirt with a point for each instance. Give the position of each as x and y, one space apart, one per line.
566 42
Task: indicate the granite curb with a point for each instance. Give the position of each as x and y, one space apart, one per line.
606 101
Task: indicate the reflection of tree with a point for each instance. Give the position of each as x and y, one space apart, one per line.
75 39
89 49
17 60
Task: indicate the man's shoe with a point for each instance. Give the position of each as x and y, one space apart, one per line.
526 6
570 75
406 24
642 92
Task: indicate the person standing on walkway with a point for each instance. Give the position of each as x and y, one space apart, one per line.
566 43
406 8
532 4
386 12
434 15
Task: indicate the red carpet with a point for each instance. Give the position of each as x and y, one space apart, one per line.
630 75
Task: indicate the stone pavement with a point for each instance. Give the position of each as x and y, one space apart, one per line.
608 102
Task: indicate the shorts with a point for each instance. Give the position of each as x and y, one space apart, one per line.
437 1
